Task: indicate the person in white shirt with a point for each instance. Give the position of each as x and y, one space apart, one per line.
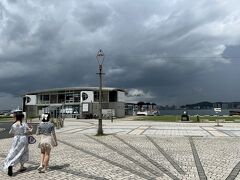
19 152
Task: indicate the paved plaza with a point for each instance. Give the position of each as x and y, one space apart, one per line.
138 150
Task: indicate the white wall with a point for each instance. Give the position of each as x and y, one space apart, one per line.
31 99
121 96
90 96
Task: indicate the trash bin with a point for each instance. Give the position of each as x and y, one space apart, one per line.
184 116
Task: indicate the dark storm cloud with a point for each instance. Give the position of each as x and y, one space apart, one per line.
168 52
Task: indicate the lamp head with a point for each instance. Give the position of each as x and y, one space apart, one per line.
100 57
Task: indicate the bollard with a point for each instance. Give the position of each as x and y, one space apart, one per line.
217 122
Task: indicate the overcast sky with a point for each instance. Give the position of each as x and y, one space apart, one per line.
167 52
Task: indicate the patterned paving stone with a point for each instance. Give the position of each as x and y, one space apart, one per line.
173 151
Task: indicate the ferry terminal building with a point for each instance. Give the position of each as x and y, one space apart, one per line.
75 102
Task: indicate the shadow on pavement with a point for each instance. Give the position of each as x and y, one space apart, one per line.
58 167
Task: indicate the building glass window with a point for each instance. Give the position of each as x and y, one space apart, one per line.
76 97
45 98
53 98
61 98
69 97
105 96
75 109
113 96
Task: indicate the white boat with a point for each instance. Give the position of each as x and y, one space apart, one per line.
145 113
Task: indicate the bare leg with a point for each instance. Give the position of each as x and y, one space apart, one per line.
42 156
46 157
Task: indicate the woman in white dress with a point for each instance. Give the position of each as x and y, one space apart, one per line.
48 140
19 152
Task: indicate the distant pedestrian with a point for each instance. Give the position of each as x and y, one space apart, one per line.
198 118
48 140
19 152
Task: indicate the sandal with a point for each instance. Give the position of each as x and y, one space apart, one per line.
40 168
42 171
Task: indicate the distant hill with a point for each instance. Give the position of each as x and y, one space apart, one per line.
210 105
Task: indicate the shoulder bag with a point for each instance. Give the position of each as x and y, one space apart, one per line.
31 139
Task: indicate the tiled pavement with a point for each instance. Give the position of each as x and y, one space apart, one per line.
138 150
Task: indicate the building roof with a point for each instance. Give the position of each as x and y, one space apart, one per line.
76 88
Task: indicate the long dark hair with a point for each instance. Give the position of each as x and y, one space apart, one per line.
18 117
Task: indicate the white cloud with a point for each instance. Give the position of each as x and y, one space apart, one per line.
135 92
136 95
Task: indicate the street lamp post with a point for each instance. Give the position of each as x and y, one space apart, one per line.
100 58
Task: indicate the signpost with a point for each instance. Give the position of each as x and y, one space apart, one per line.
217 110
